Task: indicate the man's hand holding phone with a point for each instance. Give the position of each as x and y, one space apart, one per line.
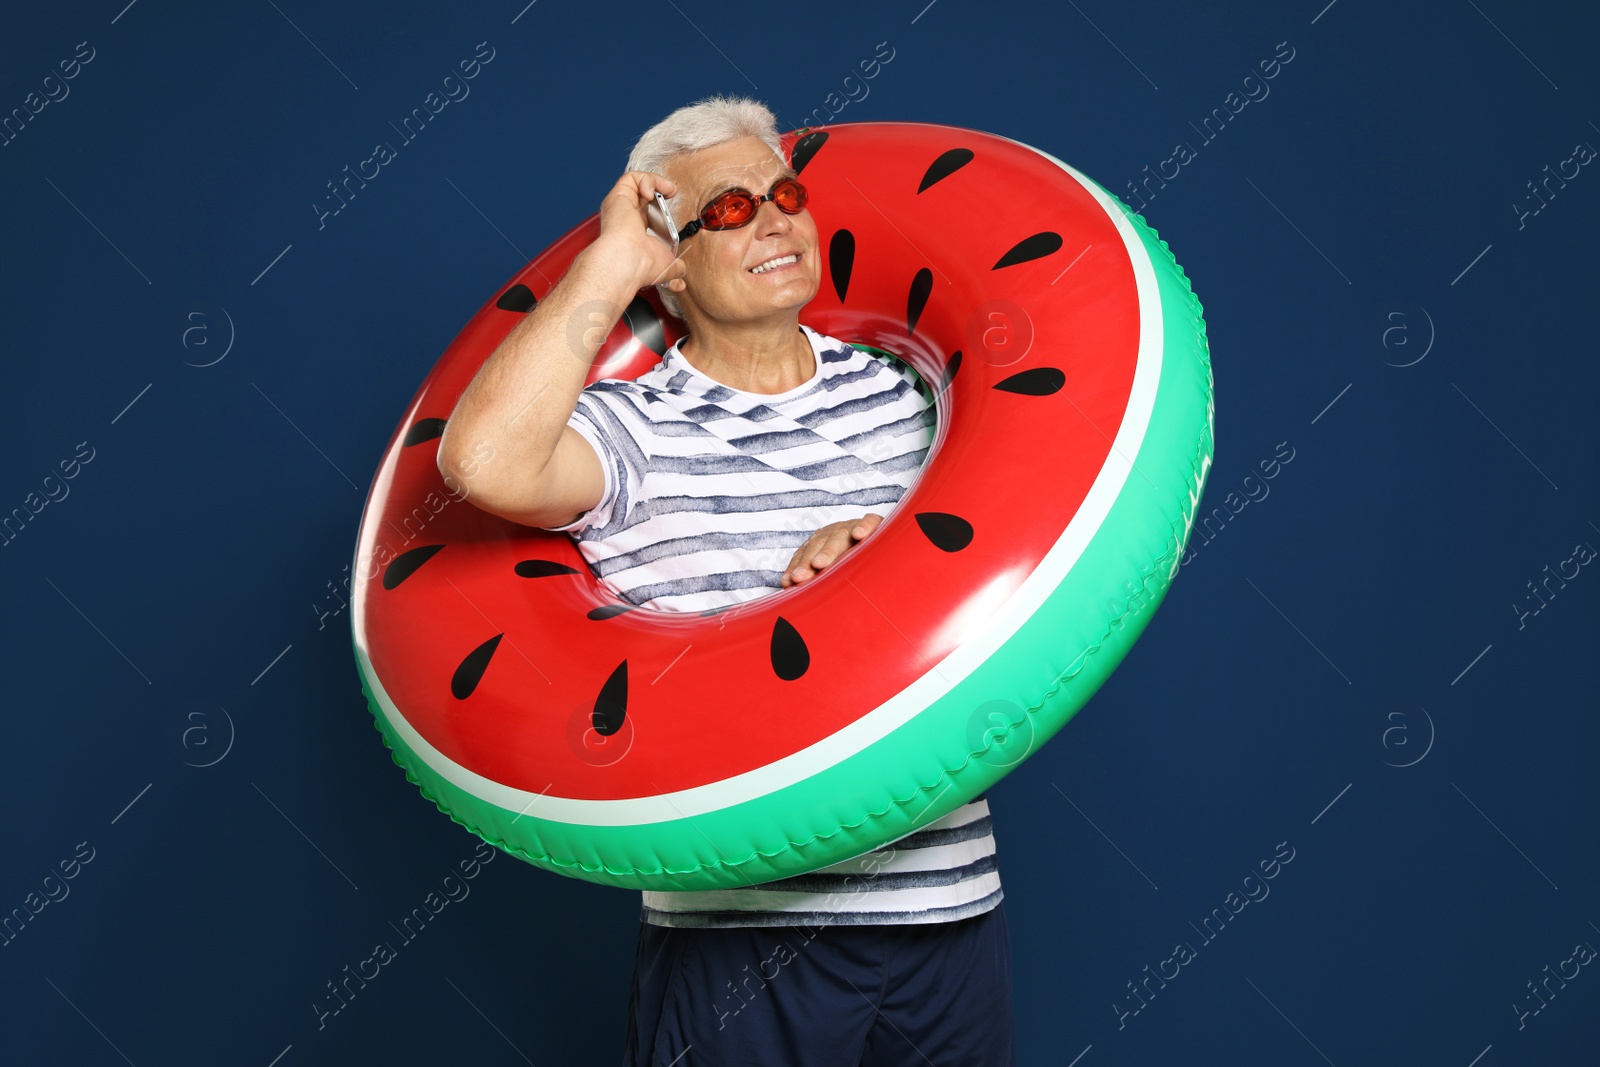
626 224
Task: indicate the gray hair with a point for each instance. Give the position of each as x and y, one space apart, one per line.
708 122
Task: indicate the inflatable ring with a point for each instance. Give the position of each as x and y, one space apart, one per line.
677 751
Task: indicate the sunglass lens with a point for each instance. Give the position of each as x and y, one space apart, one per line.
730 209
790 196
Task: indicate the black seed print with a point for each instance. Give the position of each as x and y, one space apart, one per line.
405 564
646 325
1040 381
841 258
611 706
917 299
790 657
423 430
517 298
542 568
805 148
470 673
946 165
608 611
950 533
1040 244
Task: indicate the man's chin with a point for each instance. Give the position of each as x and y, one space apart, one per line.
788 297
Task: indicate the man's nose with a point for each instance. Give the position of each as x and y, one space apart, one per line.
770 218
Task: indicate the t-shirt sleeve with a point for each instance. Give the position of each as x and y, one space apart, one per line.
598 424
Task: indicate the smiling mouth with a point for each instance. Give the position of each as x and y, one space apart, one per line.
777 264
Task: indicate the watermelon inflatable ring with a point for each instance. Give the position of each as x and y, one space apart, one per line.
667 750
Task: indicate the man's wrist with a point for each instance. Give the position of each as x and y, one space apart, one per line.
621 262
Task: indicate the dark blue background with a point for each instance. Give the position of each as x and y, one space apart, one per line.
1301 655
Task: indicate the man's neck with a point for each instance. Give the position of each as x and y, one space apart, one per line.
752 362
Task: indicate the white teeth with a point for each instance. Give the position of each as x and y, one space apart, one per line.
769 264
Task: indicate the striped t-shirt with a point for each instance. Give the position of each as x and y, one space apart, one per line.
709 492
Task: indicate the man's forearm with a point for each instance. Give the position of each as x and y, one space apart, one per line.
508 420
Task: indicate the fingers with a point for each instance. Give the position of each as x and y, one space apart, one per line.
645 183
824 547
638 188
850 535
624 227
798 569
649 183
868 523
795 568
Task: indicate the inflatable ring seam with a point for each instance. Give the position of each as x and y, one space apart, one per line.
1206 442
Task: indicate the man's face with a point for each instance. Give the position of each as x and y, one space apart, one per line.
718 263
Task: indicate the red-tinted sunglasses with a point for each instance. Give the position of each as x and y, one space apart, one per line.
736 207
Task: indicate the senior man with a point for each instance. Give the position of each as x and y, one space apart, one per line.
753 456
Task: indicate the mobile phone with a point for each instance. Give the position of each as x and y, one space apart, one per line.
660 222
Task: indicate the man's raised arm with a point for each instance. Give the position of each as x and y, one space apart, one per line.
507 445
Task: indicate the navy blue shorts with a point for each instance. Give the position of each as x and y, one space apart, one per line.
797 996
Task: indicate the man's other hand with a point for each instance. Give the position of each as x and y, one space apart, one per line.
826 545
